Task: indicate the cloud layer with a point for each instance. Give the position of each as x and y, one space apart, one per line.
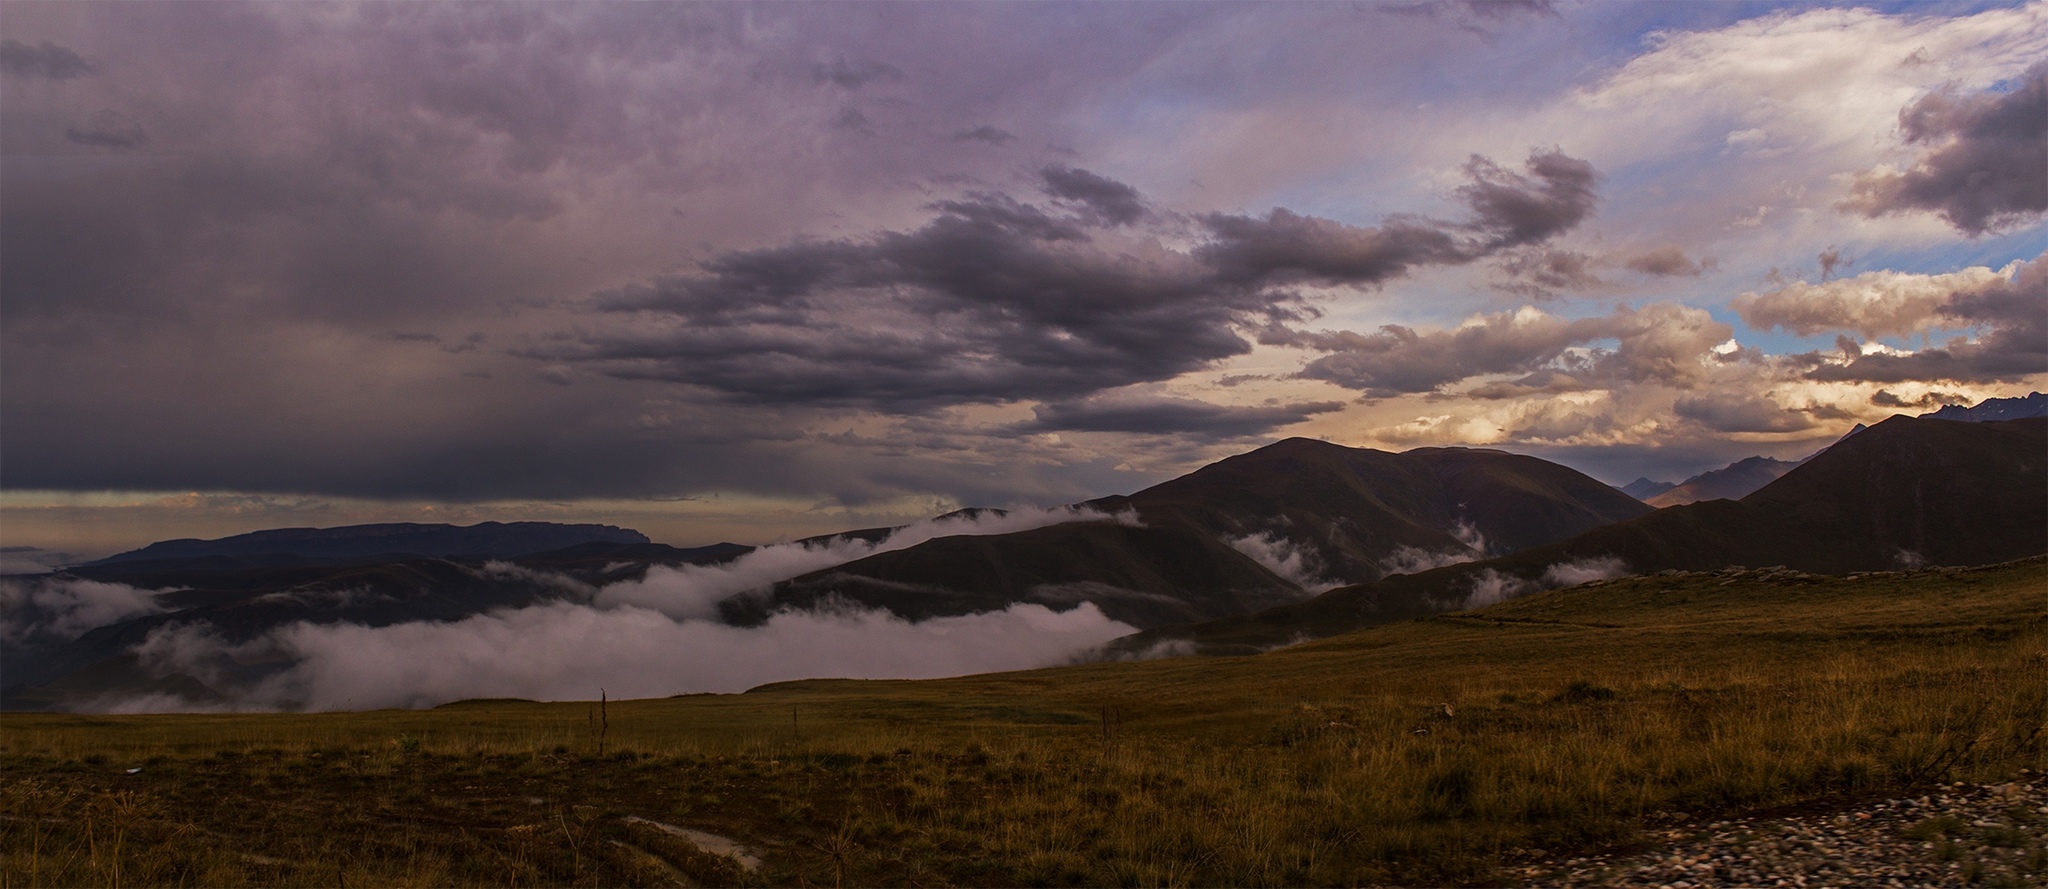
565 651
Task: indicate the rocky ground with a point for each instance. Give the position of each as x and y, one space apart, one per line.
1961 835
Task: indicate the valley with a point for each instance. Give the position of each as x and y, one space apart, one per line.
1447 750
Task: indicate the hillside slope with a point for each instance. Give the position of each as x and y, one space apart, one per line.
1248 531
1903 493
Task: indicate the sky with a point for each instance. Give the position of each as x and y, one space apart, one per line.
750 272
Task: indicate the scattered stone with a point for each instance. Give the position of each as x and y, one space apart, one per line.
1944 839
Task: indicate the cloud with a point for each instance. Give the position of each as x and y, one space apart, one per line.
1664 262
1516 209
654 636
1110 201
1581 571
108 128
1983 169
45 61
1936 399
1660 342
1290 561
1740 412
1285 247
985 133
997 299
2009 308
1539 273
694 591
1874 304
1509 209
1155 415
993 300
1491 587
565 651
49 609
34 560
1412 560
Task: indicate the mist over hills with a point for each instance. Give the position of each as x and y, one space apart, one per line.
1257 529
1904 493
1295 540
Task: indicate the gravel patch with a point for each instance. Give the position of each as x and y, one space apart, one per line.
1963 835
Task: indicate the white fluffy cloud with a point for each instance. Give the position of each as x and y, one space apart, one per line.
61 608
694 591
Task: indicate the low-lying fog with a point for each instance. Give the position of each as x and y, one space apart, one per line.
651 637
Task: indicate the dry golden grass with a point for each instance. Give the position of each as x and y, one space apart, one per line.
1427 752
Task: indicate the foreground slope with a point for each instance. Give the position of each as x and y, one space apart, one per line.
1903 493
1434 752
1239 534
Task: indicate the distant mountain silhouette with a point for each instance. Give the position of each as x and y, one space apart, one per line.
498 540
2033 404
1643 488
1342 514
1732 482
1903 493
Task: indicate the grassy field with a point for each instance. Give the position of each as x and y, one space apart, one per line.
1426 752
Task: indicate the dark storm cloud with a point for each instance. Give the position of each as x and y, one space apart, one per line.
303 280
993 300
1110 201
1664 262
45 60
1515 209
996 299
108 128
1170 416
1740 412
1931 400
1986 167
1286 247
2013 344
1509 210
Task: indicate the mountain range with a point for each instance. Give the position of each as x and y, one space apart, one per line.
1298 539
381 542
1738 479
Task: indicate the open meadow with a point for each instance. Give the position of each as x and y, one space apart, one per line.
1435 751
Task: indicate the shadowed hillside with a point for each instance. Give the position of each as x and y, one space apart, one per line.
1246 531
1903 493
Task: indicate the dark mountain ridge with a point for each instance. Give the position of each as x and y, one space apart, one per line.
384 542
1903 493
2033 404
1339 512
1731 482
